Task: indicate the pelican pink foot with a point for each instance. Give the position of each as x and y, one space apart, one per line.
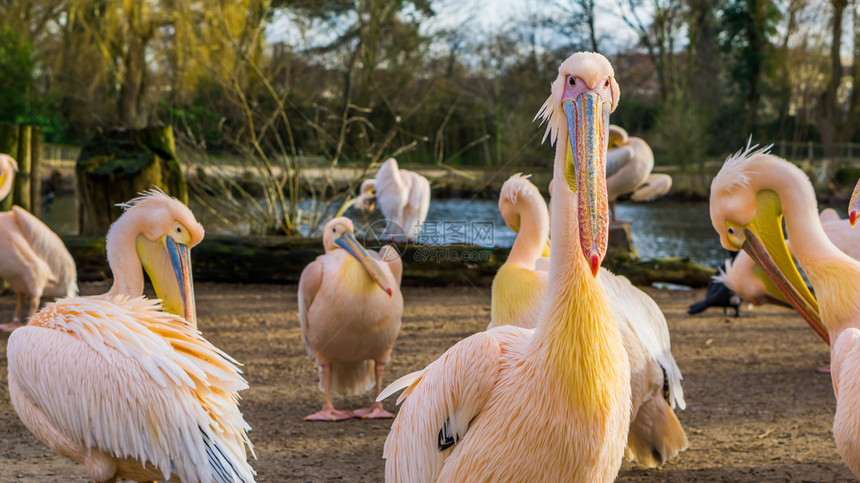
329 413
375 411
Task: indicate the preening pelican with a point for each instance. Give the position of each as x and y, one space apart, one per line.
126 385
33 259
743 277
350 308
518 293
551 404
628 170
749 197
403 197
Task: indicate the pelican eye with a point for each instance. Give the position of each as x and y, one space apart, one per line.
178 229
731 231
571 81
606 84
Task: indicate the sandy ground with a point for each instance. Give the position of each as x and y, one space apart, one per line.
756 410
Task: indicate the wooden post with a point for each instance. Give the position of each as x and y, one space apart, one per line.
22 179
117 165
36 171
8 145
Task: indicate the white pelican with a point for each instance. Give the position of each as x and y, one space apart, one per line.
403 197
33 259
743 277
749 197
117 384
518 293
551 404
349 310
628 170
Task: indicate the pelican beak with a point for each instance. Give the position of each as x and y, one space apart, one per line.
180 259
587 124
853 205
168 264
348 242
765 243
772 294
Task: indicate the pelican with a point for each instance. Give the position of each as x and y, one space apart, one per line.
551 404
751 283
349 310
518 292
403 197
628 170
125 385
749 197
33 259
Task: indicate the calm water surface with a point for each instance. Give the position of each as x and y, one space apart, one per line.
660 229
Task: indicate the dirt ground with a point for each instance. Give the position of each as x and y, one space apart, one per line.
756 411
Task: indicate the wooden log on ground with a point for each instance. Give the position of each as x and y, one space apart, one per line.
8 145
116 165
36 171
227 258
21 190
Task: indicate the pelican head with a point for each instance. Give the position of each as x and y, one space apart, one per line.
517 195
8 167
749 217
853 205
339 233
583 95
617 136
367 195
162 231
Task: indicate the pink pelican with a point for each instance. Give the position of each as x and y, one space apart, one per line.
349 310
518 293
749 197
552 404
125 385
628 170
751 283
33 259
403 197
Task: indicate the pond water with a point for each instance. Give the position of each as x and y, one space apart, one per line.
660 229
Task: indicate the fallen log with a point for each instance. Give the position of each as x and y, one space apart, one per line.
245 259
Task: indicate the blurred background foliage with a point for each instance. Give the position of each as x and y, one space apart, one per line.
354 81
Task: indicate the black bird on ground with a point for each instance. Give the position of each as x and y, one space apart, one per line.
717 295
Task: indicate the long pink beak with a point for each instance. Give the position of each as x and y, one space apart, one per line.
587 123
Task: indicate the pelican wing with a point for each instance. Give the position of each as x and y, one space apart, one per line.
388 254
617 158
48 247
634 307
122 376
309 284
439 402
654 187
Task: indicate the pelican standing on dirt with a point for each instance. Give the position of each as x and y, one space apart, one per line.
749 196
629 162
403 197
518 292
551 404
125 385
33 259
350 307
